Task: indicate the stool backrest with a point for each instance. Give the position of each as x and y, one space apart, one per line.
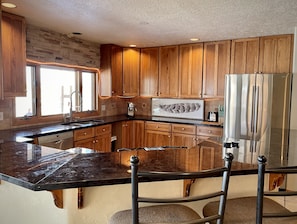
262 170
137 176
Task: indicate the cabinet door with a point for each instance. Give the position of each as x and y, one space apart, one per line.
168 71
85 143
103 143
276 54
111 70
84 133
13 55
190 70
131 59
138 133
216 64
157 138
149 71
179 139
245 56
127 134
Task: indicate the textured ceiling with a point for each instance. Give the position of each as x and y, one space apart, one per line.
160 22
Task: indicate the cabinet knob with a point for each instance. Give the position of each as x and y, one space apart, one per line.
209 131
103 129
183 129
85 133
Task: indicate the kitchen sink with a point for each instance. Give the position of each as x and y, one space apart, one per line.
84 123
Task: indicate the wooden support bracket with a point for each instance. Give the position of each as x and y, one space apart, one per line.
58 197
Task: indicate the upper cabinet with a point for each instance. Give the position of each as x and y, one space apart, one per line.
216 64
190 70
13 34
276 54
245 56
168 71
149 71
111 70
131 60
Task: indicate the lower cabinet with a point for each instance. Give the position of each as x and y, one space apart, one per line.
184 135
97 138
157 134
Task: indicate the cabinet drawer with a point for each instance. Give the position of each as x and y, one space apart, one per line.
209 131
158 126
83 134
185 129
100 130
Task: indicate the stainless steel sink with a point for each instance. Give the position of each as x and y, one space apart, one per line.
84 123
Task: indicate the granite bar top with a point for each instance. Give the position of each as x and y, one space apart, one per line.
42 168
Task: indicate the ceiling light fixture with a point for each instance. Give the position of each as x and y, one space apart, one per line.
194 39
8 5
132 45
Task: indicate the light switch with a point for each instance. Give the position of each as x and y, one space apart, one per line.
1 116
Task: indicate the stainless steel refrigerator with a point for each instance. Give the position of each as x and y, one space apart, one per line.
256 118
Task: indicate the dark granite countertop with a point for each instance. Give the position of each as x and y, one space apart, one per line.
42 168
26 134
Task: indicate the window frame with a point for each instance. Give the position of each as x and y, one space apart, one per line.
38 119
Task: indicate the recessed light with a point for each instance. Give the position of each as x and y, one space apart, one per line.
132 45
194 39
8 5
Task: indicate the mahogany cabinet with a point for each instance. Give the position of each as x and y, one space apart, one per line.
190 70
13 34
131 60
245 56
149 71
276 54
168 71
111 70
216 64
157 134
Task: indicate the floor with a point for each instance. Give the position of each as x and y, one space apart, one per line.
289 202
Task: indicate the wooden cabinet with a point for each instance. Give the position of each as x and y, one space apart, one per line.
13 30
149 71
190 70
276 54
102 139
138 133
97 138
208 131
157 134
184 135
245 56
124 131
111 70
216 64
168 71
131 60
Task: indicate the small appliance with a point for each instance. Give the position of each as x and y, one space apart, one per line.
131 109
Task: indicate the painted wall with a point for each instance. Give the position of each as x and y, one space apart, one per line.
20 205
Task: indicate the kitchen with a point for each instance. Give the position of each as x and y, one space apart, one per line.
113 106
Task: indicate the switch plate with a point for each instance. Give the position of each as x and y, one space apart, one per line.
1 116
103 107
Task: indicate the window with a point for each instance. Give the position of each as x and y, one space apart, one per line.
58 88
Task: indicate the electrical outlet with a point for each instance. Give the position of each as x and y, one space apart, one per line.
103 107
1 116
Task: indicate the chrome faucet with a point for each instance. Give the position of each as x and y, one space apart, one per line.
80 104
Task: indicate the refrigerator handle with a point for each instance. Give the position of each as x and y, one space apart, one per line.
253 110
256 109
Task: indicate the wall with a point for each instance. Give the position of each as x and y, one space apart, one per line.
49 46
20 205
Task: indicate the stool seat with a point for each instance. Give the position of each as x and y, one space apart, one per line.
247 208
172 213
